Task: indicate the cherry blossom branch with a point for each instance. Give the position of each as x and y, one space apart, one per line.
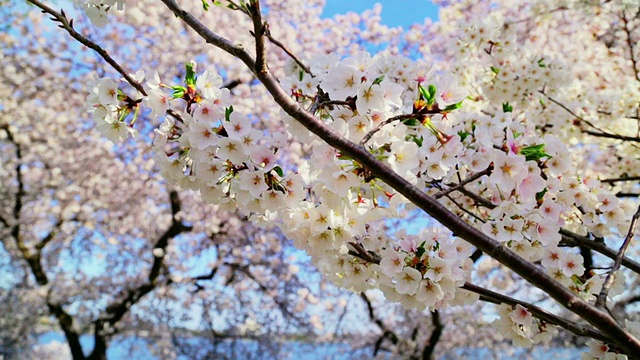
470 179
350 102
611 276
282 304
65 321
571 239
386 333
600 133
17 206
61 18
608 135
379 127
113 313
436 334
277 43
565 108
573 327
630 44
464 209
259 30
621 179
362 253
531 273
116 310
627 301
497 298
45 240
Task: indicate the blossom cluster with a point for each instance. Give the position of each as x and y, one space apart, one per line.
210 148
518 324
108 111
601 351
430 126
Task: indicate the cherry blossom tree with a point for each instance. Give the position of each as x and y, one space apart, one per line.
95 243
516 132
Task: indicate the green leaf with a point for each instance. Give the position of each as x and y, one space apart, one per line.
453 107
423 92
205 5
279 171
507 108
378 80
421 250
495 70
178 91
190 77
541 63
534 152
463 135
540 195
431 96
418 140
432 91
227 113
411 122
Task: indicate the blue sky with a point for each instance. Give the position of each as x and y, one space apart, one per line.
394 12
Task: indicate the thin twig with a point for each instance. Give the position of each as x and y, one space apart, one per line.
465 210
608 135
630 43
573 327
611 276
277 43
600 133
563 106
68 26
626 178
466 181
389 121
572 239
